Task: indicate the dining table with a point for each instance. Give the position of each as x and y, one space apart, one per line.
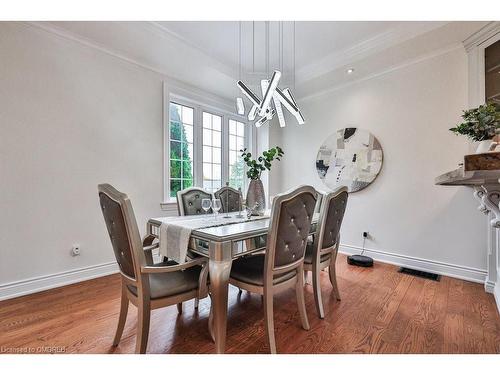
222 243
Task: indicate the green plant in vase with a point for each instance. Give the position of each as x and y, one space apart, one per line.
256 199
480 124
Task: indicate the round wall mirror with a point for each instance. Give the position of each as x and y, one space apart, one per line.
349 157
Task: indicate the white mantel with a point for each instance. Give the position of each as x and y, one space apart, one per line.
488 194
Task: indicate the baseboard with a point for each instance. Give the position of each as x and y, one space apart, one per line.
441 268
496 294
38 284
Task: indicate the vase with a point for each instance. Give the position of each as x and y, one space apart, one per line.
256 198
484 146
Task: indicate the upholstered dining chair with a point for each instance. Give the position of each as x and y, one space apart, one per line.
317 208
144 284
322 252
230 199
189 201
281 266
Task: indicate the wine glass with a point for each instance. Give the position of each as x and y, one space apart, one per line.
216 206
206 204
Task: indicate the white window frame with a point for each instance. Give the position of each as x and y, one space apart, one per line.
199 108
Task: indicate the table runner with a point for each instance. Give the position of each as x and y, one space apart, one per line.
176 231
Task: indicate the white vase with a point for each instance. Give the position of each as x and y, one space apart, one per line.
484 146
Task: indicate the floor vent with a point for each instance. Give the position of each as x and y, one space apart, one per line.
423 274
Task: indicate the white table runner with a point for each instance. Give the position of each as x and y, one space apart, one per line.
176 231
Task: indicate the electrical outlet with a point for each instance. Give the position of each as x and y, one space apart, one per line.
75 250
366 234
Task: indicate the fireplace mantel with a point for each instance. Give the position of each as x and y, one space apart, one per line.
481 172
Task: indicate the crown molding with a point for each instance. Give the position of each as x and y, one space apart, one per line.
220 65
52 29
174 84
482 36
419 59
365 48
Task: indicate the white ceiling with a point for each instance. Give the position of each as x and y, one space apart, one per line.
206 54
314 40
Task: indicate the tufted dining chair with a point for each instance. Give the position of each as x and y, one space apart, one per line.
230 199
281 266
146 285
322 252
189 201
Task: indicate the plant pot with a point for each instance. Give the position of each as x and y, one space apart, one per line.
256 198
484 146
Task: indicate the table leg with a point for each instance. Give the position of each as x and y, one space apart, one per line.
219 266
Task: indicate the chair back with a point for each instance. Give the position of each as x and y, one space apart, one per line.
189 201
291 217
122 229
230 199
330 220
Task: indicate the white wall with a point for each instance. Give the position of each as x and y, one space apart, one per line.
71 117
410 111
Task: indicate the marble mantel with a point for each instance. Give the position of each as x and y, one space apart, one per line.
482 173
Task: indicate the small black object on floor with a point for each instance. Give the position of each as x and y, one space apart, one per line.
423 274
360 260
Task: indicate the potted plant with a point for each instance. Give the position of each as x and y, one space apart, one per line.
256 199
481 125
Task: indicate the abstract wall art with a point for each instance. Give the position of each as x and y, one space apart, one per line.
349 157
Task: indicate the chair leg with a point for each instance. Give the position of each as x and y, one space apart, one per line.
305 277
211 321
333 279
317 291
143 317
179 307
299 289
269 319
196 303
123 316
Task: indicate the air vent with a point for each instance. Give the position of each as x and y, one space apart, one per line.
423 274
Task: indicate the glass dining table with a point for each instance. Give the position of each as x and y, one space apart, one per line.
221 244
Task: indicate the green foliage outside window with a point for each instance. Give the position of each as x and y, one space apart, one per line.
236 174
181 173
181 164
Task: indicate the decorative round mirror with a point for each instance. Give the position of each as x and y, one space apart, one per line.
349 157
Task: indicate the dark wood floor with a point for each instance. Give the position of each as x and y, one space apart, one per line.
382 311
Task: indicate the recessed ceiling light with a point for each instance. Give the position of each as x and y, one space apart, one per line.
350 70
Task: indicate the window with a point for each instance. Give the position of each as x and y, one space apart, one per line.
203 149
492 72
181 147
236 163
212 152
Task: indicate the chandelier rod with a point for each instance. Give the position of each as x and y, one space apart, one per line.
294 70
239 56
253 46
267 47
281 46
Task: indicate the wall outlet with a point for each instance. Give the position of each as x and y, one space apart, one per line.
75 250
366 234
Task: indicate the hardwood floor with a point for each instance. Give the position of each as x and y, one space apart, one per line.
382 311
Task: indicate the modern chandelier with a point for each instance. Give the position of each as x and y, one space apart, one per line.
273 98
